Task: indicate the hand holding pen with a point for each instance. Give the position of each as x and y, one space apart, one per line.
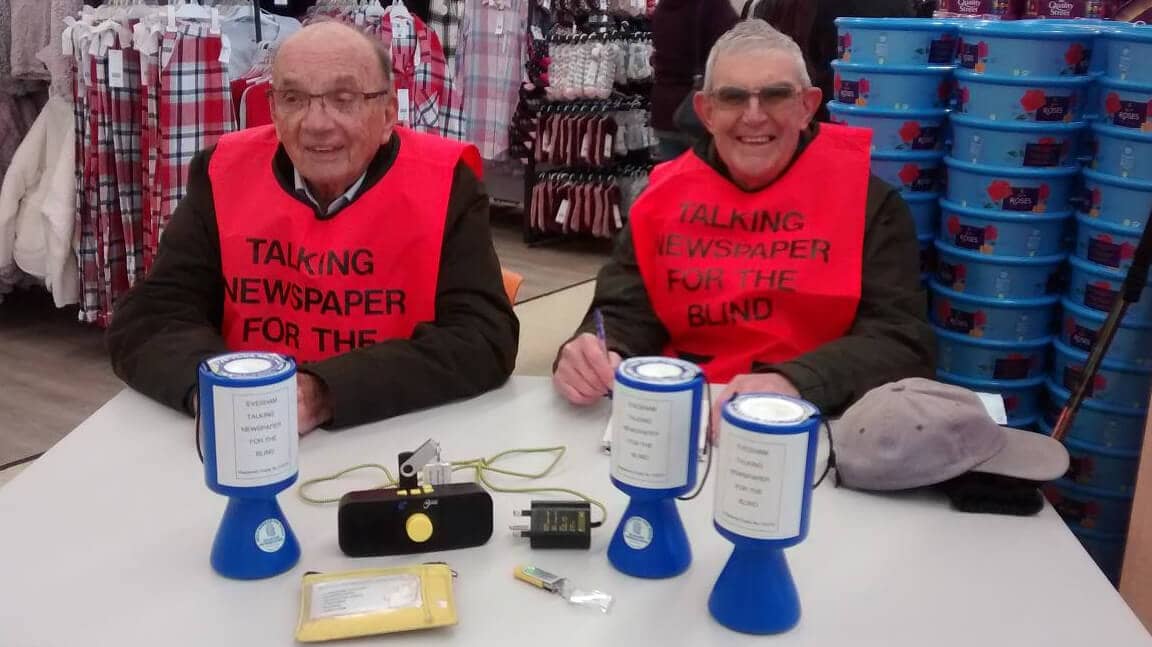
586 368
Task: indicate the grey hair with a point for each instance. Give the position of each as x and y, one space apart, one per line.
755 35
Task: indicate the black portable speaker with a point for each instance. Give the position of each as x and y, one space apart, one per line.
390 521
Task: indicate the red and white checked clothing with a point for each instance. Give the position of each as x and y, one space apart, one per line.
445 18
195 109
419 66
125 122
134 143
490 67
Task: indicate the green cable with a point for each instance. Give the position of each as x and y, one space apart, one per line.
323 479
482 467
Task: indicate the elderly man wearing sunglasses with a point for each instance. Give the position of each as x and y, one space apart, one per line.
768 254
335 236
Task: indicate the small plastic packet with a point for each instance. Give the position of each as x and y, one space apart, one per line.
561 586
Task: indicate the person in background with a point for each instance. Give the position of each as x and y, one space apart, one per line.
769 255
812 24
682 33
360 248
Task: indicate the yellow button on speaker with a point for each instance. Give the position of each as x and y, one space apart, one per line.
419 527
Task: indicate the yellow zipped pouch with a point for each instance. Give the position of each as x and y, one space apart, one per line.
372 601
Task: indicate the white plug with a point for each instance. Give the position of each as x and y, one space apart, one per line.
439 473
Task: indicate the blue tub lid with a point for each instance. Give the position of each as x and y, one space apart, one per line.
919 196
867 111
1128 86
1099 317
1089 267
1037 302
1062 395
1028 29
901 24
1096 223
1002 215
1110 364
1031 344
1115 180
1091 25
1078 491
921 156
1019 126
1013 171
1127 31
1054 259
1074 443
1134 134
989 386
937 70
1032 81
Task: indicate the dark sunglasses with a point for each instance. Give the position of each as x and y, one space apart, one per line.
768 97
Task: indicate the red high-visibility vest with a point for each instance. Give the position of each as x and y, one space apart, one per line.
745 277
312 288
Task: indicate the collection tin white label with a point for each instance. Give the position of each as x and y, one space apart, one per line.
650 437
760 483
256 437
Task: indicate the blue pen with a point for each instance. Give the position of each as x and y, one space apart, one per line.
599 319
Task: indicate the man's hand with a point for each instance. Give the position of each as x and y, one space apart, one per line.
749 383
312 406
584 373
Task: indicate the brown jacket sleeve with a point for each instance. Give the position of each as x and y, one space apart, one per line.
171 321
889 340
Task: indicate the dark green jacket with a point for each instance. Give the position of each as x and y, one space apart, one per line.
169 322
889 340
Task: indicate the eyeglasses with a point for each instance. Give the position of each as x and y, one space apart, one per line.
768 98
345 102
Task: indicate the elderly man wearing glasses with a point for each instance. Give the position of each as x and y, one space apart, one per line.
769 255
358 247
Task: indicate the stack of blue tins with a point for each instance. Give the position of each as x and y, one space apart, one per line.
1095 498
1003 239
894 76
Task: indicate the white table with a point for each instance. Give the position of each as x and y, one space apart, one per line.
105 541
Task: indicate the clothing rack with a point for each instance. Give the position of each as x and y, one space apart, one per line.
622 102
256 20
580 21
595 174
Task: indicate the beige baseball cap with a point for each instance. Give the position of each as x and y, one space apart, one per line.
918 432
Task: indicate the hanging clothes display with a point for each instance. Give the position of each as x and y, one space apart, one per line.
589 202
425 90
151 91
490 60
36 205
581 125
239 26
445 18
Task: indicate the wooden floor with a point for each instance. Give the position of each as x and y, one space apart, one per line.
54 372
551 267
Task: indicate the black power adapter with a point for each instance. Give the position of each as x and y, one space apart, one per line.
558 524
